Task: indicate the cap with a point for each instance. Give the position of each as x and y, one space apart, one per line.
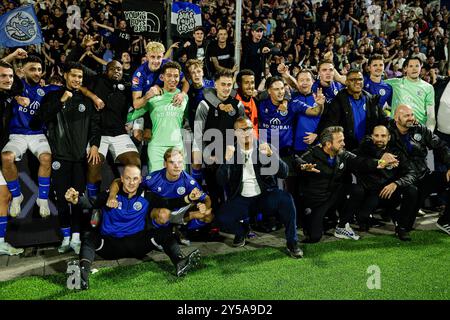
258 26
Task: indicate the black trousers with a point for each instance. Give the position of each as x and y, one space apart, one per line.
215 191
406 197
349 195
433 182
276 202
66 174
133 246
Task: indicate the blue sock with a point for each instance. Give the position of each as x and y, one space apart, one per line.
14 188
92 189
157 225
195 224
66 232
197 175
259 217
3 223
44 187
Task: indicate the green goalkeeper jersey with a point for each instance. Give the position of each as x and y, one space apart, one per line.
419 95
167 119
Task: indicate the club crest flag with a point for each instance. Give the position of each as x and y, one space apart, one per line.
185 17
20 27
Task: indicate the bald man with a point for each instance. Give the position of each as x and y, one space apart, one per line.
388 187
412 140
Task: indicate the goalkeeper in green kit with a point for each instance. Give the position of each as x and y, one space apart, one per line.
414 92
167 119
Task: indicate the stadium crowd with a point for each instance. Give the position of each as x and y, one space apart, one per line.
334 112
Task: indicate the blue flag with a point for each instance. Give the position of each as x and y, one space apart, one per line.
20 27
185 17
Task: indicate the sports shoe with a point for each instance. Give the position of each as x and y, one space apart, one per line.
402 234
443 226
95 218
294 251
44 209
84 275
239 241
65 246
345 233
6 248
14 207
76 246
188 262
421 213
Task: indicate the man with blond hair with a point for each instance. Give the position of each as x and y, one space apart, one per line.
146 82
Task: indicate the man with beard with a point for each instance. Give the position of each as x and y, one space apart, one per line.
323 186
388 187
72 123
7 92
116 95
413 141
23 137
355 110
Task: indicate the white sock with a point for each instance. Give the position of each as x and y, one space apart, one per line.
66 240
76 236
2 240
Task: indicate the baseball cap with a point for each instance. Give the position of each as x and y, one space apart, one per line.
258 26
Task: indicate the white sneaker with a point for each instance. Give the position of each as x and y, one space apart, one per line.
6 248
44 209
345 233
14 207
64 247
76 246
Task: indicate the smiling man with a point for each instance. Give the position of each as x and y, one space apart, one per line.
415 92
72 122
355 110
167 118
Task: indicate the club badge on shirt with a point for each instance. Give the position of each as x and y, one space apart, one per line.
181 190
137 206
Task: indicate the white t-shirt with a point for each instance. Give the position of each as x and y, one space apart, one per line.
250 187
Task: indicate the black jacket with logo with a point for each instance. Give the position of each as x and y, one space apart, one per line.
117 99
420 138
403 175
340 113
70 126
318 187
